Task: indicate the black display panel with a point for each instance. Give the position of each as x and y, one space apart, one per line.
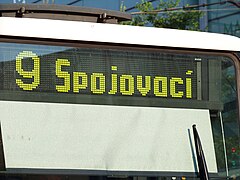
102 72
104 75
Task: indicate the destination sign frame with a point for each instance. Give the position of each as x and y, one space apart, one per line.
115 99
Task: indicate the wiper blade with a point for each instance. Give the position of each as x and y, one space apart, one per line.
202 166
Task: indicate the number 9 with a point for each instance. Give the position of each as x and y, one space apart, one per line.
35 73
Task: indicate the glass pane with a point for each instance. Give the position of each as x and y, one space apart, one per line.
131 77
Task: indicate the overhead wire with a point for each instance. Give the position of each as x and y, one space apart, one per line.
134 7
36 1
196 10
74 2
186 8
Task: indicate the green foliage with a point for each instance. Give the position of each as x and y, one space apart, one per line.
180 19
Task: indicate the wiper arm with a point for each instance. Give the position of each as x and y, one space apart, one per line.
202 166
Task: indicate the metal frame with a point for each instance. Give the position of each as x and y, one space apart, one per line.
63 12
161 102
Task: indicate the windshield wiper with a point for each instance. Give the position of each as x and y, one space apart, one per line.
202 166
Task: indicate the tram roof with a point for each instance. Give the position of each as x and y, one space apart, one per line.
115 33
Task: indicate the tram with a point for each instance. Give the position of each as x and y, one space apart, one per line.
83 97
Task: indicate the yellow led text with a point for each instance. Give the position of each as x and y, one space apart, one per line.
95 82
63 74
33 74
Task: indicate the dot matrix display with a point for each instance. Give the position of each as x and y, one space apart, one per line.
96 72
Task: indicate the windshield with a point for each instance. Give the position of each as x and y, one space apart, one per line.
124 113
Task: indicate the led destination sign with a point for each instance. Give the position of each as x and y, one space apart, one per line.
109 83
106 73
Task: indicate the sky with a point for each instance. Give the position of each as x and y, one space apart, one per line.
104 4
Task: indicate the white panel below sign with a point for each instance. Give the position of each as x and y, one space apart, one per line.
98 137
